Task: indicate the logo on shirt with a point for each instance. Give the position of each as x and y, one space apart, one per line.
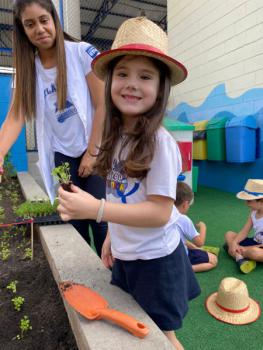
259 237
117 183
69 111
50 90
92 51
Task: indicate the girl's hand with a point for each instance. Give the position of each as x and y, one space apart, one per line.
86 165
77 204
233 249
106 255
201 225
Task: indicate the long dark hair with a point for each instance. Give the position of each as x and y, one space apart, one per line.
24 99
141 140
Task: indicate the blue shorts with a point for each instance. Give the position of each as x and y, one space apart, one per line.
162 287
248 242
197 256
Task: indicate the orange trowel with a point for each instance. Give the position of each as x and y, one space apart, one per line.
93 306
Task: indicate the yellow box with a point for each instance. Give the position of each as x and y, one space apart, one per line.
200 145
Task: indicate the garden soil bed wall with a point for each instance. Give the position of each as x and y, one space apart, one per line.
43 304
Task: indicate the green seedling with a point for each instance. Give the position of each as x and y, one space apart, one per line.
4 251
18 302
28 253
24 326
62 173
2 213
12 286
30 209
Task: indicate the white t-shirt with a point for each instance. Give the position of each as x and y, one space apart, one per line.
67 127
257 227
186 229
132 243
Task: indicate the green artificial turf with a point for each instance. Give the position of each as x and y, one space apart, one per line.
221 212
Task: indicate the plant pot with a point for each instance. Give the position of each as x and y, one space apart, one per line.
67 186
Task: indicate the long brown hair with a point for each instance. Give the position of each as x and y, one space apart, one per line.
24 99
142 140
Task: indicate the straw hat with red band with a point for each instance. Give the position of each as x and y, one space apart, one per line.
232 304
252 191
140 36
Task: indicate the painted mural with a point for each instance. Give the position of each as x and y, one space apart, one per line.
246 109
219 103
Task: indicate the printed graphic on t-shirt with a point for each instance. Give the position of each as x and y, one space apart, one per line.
51 97
259 237
117 183
92 51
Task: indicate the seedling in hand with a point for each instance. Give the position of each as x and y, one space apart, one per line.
62 174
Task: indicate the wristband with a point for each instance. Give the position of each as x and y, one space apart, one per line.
100 211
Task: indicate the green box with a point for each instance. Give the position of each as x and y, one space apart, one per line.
194 178
216 139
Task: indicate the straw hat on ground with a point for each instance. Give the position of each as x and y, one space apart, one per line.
140 36
253 190
232 304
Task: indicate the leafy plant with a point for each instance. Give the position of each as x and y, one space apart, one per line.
2 213
9 170
28 253
18 302
24 326
4 251
12 286
30 209
62 173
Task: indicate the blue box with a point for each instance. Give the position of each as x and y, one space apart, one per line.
241 139
18 150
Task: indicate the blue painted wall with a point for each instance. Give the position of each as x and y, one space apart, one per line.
226 176
18 151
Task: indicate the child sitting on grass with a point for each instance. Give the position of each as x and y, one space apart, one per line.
193 240
246 251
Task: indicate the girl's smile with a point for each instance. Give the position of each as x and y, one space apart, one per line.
135 86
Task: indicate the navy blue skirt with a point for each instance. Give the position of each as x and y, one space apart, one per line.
162 287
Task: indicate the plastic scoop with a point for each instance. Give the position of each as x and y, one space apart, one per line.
93 306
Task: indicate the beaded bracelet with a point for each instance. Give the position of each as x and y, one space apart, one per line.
100 211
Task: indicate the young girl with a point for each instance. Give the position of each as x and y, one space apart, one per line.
141 162
246 250
55 85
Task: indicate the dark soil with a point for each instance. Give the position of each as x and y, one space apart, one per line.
43 304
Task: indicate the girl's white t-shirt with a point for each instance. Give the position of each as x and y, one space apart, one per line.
187 229
66 125
257 227
131 242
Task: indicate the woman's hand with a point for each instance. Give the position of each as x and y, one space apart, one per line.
77 204
106 255
86 164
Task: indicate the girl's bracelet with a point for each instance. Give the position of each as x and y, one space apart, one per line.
100 211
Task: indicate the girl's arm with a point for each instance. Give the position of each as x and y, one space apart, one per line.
200 240
96 88
154 212
10 131
244 231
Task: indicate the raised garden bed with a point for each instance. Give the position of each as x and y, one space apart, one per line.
42 306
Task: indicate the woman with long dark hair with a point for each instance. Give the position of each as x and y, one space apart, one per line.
55 86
